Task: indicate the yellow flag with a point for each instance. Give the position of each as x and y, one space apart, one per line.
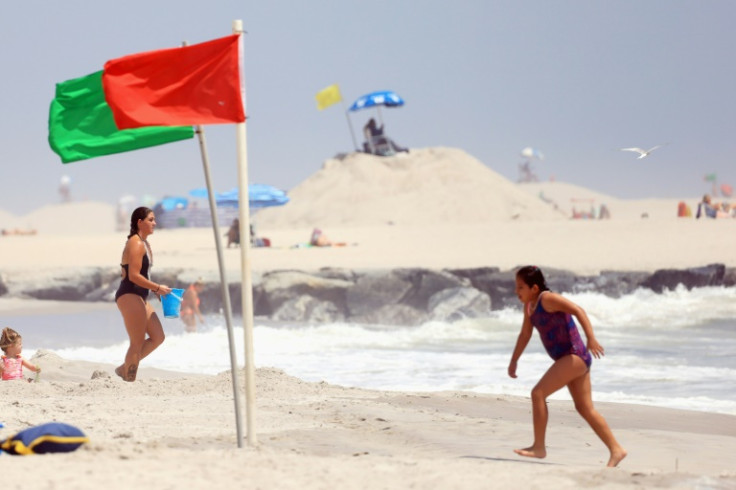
328 96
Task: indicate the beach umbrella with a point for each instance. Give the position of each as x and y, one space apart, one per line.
385 98
266 196
530 153
170 203
259 196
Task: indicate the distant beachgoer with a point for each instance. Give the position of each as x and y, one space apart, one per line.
144 328
319 239
707 208
376 142
552 314
13 363
64 188
190 306
233 234
18 231
257 241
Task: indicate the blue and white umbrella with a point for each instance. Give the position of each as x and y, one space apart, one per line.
385 98
259 196
170 203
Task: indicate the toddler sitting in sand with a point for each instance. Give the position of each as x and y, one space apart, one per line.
12 363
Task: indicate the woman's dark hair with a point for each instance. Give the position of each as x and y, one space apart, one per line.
139 213
532 276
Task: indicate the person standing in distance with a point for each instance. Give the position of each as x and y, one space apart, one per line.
141 322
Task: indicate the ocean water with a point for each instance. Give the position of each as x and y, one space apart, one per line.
676 349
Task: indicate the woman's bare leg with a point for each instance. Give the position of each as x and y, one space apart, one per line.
139 319
154 330
561 373
580 389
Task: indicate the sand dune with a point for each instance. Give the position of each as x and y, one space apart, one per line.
568 197
87 217
426 187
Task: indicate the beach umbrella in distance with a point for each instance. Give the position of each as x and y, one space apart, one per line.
266 196
526 174
530 153
169 203
259 196
385 98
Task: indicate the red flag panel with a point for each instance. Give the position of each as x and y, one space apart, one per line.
198 84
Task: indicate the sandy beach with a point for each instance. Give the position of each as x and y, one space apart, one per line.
171 430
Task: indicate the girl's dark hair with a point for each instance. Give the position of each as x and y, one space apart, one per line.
532 275
9 337
139 213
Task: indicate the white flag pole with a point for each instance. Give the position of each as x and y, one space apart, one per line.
247 283
223 279
223 283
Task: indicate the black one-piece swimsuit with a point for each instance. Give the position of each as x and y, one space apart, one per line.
127 286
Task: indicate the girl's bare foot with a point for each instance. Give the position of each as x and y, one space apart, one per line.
132 371
616 457
532 452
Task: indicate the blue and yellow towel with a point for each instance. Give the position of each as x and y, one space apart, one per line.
53 437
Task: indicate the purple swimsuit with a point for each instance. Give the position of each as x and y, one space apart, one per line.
559 333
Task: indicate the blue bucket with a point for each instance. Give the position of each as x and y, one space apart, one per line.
172 303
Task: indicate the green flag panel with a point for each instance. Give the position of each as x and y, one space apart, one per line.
81 125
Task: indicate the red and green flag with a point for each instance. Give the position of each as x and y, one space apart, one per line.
81 124
147 99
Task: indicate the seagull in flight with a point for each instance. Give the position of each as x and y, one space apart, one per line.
643 153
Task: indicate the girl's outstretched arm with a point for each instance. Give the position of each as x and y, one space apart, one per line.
30 366
554 302
521 343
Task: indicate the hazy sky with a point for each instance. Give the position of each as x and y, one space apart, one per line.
576 79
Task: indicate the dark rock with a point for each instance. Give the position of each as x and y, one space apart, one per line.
426 283
397 296
307 308
109 282
559 281
3 287
457 303
709 275
66 287
611 283
729 278
499 286
279 287
337 273
211 300
374 290
475 272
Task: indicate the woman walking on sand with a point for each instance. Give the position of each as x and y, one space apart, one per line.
552 315
132 295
